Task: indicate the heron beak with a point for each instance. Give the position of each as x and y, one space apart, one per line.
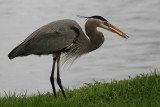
114 29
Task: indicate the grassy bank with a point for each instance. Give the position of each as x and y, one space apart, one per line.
143 90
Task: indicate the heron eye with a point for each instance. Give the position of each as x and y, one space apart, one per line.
106 23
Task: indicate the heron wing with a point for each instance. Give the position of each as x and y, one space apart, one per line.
50 42
56 26
48 39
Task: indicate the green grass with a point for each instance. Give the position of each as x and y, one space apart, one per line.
141 91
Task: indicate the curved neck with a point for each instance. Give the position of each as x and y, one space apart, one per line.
96 37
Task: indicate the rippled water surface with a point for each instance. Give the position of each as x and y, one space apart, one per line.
116 59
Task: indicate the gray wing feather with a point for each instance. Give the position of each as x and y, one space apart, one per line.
47 39
56 26
49 43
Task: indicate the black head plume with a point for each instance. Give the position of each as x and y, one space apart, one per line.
96 17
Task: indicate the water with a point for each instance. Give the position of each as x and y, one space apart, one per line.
116 59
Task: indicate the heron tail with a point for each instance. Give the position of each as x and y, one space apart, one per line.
15 52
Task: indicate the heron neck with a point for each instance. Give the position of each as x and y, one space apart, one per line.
96 38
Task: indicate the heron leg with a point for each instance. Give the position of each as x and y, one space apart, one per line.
58 75
52 77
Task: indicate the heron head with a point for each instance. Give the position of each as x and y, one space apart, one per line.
103 23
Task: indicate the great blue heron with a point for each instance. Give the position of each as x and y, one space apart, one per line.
64 36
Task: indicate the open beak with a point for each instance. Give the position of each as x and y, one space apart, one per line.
114 29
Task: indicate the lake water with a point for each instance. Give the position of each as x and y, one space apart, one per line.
117 58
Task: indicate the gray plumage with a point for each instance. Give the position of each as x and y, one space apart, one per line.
49 39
